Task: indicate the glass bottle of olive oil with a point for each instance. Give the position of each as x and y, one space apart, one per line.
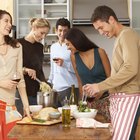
66 113
73 99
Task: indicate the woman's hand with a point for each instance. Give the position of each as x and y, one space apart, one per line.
8 84
30 72
27 113
91 89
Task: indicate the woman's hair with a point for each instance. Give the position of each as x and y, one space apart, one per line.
39 23
9 40
79 40
103 13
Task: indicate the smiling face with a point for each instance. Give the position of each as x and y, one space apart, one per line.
40 33
105 28
61 31
70 46
5 24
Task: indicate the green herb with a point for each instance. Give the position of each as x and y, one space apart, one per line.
83 107
39 120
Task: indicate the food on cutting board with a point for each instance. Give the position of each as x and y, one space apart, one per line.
44 87
26 120
44 113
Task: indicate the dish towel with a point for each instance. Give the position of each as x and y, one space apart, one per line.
90 123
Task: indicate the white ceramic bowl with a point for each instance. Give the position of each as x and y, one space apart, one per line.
73 108
92 114
54 115
35 108
60 1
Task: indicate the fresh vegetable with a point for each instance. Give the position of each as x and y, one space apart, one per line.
83 107
39 120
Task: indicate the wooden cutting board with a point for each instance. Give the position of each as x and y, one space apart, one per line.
50 122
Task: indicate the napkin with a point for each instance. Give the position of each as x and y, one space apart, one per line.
90 123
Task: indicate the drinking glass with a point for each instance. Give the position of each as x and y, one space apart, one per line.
16 77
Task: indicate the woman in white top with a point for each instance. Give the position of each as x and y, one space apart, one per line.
10 62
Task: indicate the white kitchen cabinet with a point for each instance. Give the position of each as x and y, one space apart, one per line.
134 14
49 9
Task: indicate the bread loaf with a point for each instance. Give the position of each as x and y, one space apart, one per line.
44 113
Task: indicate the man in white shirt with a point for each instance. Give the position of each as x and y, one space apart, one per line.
62 75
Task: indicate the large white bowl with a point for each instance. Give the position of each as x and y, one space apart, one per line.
35 108
92 114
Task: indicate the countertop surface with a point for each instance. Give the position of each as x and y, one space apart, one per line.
57 132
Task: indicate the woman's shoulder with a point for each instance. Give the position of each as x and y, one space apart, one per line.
101 51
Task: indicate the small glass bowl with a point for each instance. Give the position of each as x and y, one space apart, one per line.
54 115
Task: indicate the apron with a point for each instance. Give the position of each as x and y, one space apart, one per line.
8 117
123 110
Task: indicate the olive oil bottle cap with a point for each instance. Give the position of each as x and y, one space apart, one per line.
66 101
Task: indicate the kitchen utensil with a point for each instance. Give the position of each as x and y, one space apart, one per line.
46 99
84 98
39 81
40 99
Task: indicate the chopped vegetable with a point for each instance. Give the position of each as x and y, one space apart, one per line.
39 120
83 107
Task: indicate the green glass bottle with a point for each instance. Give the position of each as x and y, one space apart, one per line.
73 99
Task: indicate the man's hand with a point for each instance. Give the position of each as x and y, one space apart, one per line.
91 89
59 61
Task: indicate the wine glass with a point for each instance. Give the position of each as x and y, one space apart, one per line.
16 77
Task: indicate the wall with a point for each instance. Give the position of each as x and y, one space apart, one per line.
7 5
84 8
46 69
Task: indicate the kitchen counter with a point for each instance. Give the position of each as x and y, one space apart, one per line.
57 132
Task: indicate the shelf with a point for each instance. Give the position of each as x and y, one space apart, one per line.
37 8
24 18
29 4
56 4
